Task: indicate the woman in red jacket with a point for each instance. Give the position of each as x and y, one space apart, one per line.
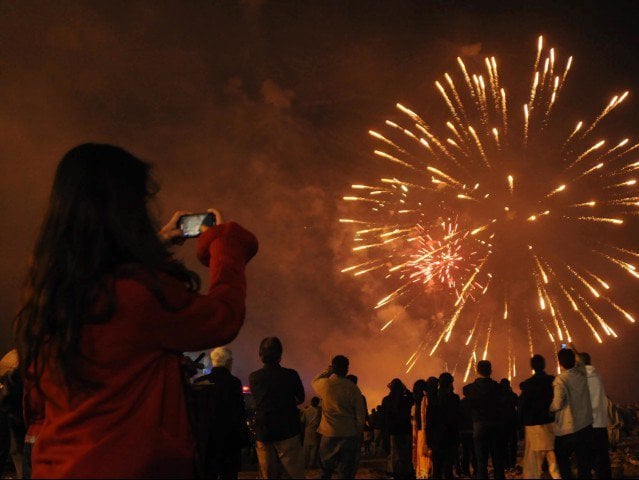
108 311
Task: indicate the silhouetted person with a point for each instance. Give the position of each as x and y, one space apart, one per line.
573 416
397 422
353 378
534 413
277 392
220 425
444 429
311 417
342 421
5 439
379 445
486 403
421 456
468 457
12 405
600 419
511 424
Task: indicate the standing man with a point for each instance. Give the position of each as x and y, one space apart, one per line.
486 403
397 407
468 456
311 417
445 429
600 419
510 424
534 412
277 392
378 436
221 428
573 416
342 421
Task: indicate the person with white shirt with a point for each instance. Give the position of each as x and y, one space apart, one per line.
600 419
573 416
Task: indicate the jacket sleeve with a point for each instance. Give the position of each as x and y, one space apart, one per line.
319 382
213 319
559 395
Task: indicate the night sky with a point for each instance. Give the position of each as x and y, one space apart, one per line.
261 109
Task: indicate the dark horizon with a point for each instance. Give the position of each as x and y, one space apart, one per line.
262 109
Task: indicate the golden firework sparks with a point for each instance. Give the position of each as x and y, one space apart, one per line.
438 235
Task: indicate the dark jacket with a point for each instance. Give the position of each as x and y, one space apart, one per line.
396 414
465 417
486 400
277 392
535 399
220 426
511 408
444 422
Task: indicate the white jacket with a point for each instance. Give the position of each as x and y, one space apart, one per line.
571 401
597 398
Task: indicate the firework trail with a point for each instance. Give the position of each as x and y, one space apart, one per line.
499 215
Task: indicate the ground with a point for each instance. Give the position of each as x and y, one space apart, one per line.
625 462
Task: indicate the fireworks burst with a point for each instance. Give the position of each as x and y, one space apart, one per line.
503 212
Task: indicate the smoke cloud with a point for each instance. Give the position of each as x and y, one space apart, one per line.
260 109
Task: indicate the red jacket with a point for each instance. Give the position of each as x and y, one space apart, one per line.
135 424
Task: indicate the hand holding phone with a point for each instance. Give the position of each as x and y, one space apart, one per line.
170 233
192 225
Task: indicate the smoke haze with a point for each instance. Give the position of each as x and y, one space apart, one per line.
261 109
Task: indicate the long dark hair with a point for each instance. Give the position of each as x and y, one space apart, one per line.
97 227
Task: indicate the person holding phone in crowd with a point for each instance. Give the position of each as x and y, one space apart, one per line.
108 311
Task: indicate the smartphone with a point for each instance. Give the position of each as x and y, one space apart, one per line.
190 224
563 345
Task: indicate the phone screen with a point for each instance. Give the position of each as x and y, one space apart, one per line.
563 345
190 224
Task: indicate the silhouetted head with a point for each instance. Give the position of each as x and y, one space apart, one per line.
584 358
505 383
315 401
222 357
446 381
352 378
484 368
538 363
97 227
419 388
271 351
340 365
566 358
431 386
396 386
